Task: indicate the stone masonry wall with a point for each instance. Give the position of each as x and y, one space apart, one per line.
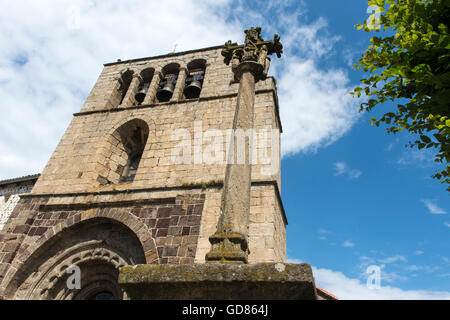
267 225
172 208
167 227
78 159
173 225
76 163
9 197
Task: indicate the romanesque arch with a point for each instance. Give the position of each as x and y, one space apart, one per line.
168 82
194 81
98 246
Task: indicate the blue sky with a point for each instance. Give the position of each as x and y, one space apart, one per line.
354 196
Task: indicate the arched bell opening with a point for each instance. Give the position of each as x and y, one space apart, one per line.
124 84
147 76
168 82
194 80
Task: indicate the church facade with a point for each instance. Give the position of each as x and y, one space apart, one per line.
138 178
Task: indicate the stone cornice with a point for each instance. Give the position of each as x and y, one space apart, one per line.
218 185
92 205
28 178
168 55
153 105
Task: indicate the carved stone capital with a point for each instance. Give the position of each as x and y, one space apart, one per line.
254 49
253 67
228 247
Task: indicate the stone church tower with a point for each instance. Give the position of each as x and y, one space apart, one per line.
138 178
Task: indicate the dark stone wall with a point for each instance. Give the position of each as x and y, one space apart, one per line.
172 224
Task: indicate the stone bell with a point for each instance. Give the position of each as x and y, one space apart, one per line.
193 89
142 91
166 92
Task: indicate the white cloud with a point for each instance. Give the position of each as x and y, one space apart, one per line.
323 231
432 207
349 288
413 268
348 244
392 276
387 275
391 145
423 158
393 259
49 60
367 259
341 168
426 268
306 38
316 107
447 224
419 252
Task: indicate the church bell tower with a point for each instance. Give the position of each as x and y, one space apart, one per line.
173 162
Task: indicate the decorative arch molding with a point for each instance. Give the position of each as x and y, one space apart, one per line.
97 262
158 66
130 116
86 238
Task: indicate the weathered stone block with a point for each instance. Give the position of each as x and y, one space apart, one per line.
212 281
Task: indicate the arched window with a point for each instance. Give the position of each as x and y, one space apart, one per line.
146 75
194 80
168 82
125 148
134 139
125 81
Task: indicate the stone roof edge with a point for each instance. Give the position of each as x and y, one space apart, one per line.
167 55
326 294
20 179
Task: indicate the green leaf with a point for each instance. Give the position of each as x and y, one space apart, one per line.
410 66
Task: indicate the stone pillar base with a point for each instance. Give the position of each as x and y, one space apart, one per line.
219 281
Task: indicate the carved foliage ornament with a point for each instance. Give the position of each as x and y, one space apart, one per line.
254 49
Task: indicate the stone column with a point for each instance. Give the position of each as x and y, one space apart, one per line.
151 92
179 87
229 243
129 99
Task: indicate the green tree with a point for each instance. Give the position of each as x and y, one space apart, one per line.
410 66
